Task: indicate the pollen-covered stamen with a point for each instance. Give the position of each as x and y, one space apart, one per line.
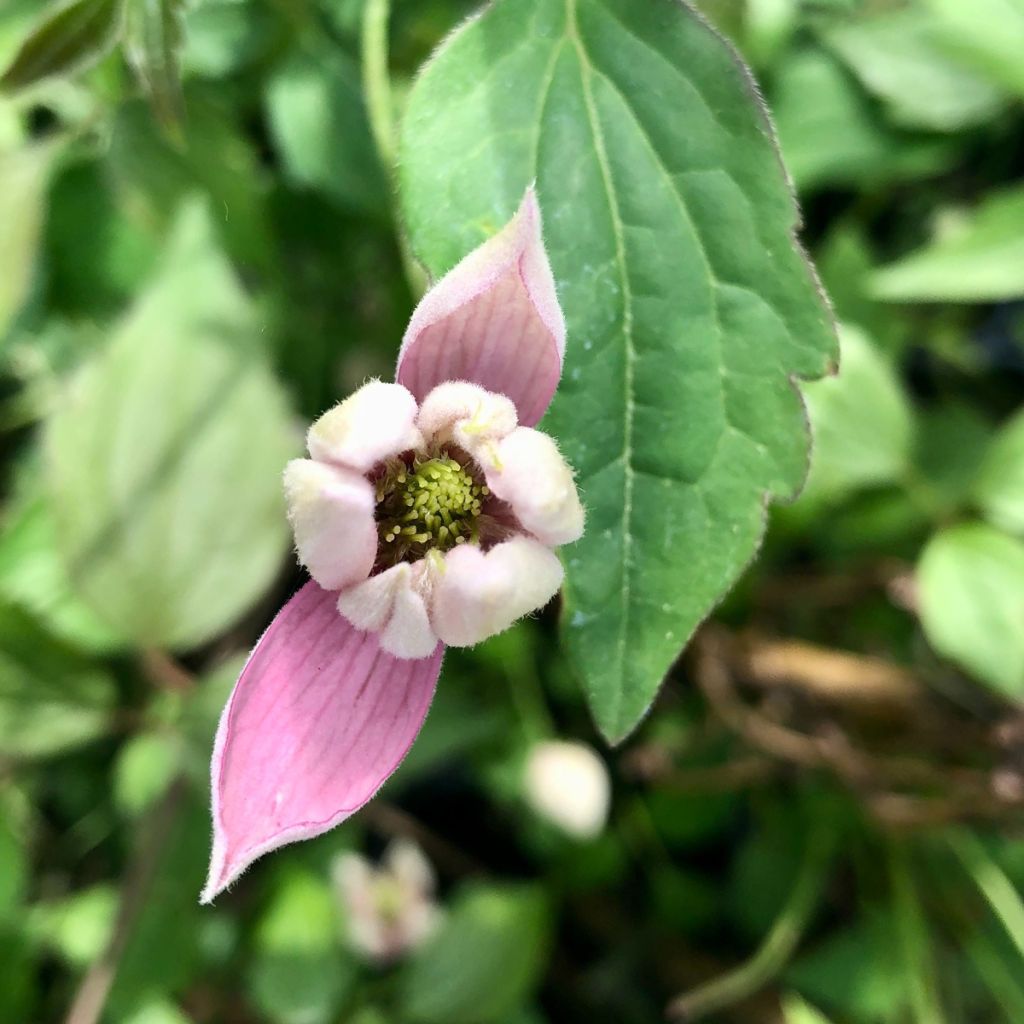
434 504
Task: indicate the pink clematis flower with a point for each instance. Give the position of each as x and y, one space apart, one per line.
426 515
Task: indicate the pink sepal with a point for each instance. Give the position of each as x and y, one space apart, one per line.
493 320
318 720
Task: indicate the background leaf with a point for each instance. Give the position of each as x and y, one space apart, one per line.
51 698
689 308
999 488
69 37
165 458
979 258
897 57
971 581
861 423
24 175
484 961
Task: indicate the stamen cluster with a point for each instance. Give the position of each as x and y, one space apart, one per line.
434 504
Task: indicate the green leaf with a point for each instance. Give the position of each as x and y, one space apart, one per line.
153 177
146 766
669 226
896 57
224 36
861 424
165 458
484 961
839 139
298 975
987 35
77 927
319 125
979 257
853 973
999 488
157 1011
69 37
153 42
24 177
971 593
162 953
33 576
796 1011
51 698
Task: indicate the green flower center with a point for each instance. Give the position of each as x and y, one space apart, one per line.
432 505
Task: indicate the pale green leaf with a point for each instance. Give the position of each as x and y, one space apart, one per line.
165 458
669 226
24 177
484 961
971 594
146 765
999 488
33 576
78 926
70 36
987 35
51 698
839 139
860 421
797 1011
978 258
896 57
159 1011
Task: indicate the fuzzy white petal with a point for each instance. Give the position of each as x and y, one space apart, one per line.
392 604
527 470
374 423
479 594
331 512
466 413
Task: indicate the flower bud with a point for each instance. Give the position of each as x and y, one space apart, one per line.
568 784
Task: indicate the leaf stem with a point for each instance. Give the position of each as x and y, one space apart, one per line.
91 998
913 939
380 110
992 883
777 947
376 81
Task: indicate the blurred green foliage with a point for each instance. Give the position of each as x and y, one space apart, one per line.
199 252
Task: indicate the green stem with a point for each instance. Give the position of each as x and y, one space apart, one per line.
380 110
992 883
376 80
913 939
777 948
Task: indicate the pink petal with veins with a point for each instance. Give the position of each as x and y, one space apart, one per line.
318 720
493 320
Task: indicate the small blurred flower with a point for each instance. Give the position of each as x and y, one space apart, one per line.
568 784
390 908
